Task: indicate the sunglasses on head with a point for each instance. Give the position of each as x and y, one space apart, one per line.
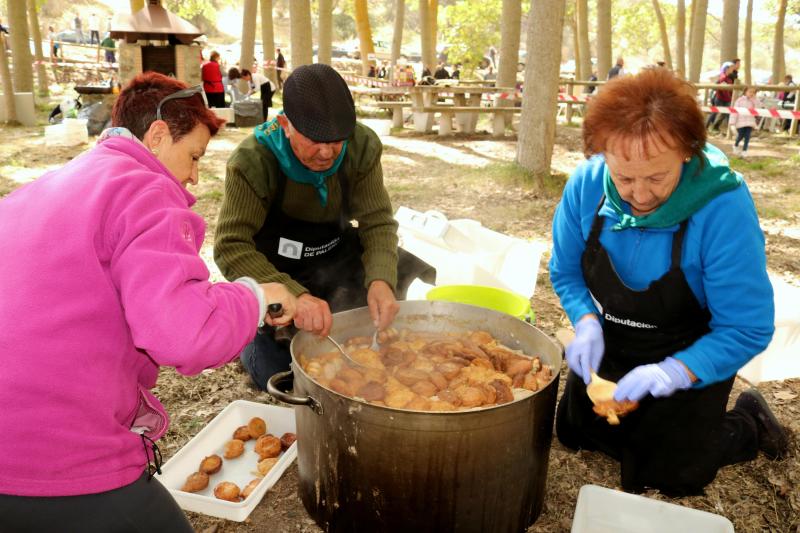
183 93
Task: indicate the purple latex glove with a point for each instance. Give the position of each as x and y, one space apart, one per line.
659 380
586 351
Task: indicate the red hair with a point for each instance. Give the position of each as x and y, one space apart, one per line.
653 106
135 108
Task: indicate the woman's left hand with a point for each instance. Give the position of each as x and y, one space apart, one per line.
277 293
658 380
382 304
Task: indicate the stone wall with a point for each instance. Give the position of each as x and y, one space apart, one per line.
187 63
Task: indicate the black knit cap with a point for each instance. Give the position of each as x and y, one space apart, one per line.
318 103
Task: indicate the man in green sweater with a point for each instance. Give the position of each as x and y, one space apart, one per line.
291 191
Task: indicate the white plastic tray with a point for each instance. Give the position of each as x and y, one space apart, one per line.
602 510
211 440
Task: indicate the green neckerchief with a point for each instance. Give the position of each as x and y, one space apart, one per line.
696 188
271 135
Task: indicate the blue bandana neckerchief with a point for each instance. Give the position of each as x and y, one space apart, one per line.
270 134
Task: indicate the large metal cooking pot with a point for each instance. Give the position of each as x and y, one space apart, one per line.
371 468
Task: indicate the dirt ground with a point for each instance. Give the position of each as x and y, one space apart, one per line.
472 177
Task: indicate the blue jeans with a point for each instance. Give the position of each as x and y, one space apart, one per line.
265 356
743 133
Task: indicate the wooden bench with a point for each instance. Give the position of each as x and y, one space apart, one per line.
467 116
397 111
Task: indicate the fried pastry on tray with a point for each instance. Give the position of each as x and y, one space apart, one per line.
233 448
268 446
211 464
195 482
227 491
242 433
287 439
256 427
250 487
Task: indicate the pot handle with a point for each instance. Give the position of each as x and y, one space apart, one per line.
277 384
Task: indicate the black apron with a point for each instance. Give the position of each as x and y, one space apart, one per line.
673 444
325 257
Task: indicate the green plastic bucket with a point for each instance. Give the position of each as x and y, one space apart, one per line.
488 297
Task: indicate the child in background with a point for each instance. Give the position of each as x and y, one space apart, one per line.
744 122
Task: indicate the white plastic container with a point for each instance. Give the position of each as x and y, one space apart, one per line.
780 360
602 510
466 253
71 132
211 440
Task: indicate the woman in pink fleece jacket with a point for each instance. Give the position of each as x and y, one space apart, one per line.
102 284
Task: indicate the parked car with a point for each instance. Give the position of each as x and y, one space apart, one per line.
69 36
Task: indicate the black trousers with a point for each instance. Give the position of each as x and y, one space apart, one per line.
673 444
216 99
143 506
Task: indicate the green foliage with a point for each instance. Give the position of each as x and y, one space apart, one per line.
189 9
472 26
344 27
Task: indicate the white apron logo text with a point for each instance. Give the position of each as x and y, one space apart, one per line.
628 322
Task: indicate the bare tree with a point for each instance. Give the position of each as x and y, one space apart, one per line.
692 9
300 23
41 70
250 14
20 46
576 46
397 34
729 40
509 48
748 43
582 12
662 27
325 23
603 37
8 85
268 40
425 36
367 48
697 39
538 123
778 61
680 37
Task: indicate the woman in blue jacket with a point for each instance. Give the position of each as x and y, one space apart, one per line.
659 262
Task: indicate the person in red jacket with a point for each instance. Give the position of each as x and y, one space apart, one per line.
721 98
212 81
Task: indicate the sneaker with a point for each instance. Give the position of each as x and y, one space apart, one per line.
736 150
772 437
743 154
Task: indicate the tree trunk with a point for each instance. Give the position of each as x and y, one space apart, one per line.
397 34
778 61
248 34
8 85
300 22
41 69
582 11
325 41
509 49
680 37
136 5
729 40
576 45
539 106
697 39
692 9
425 35
748 43
662 27
268 41
20 46
603 38
433 13
366 46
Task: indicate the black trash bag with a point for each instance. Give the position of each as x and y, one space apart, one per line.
248 113
97 115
